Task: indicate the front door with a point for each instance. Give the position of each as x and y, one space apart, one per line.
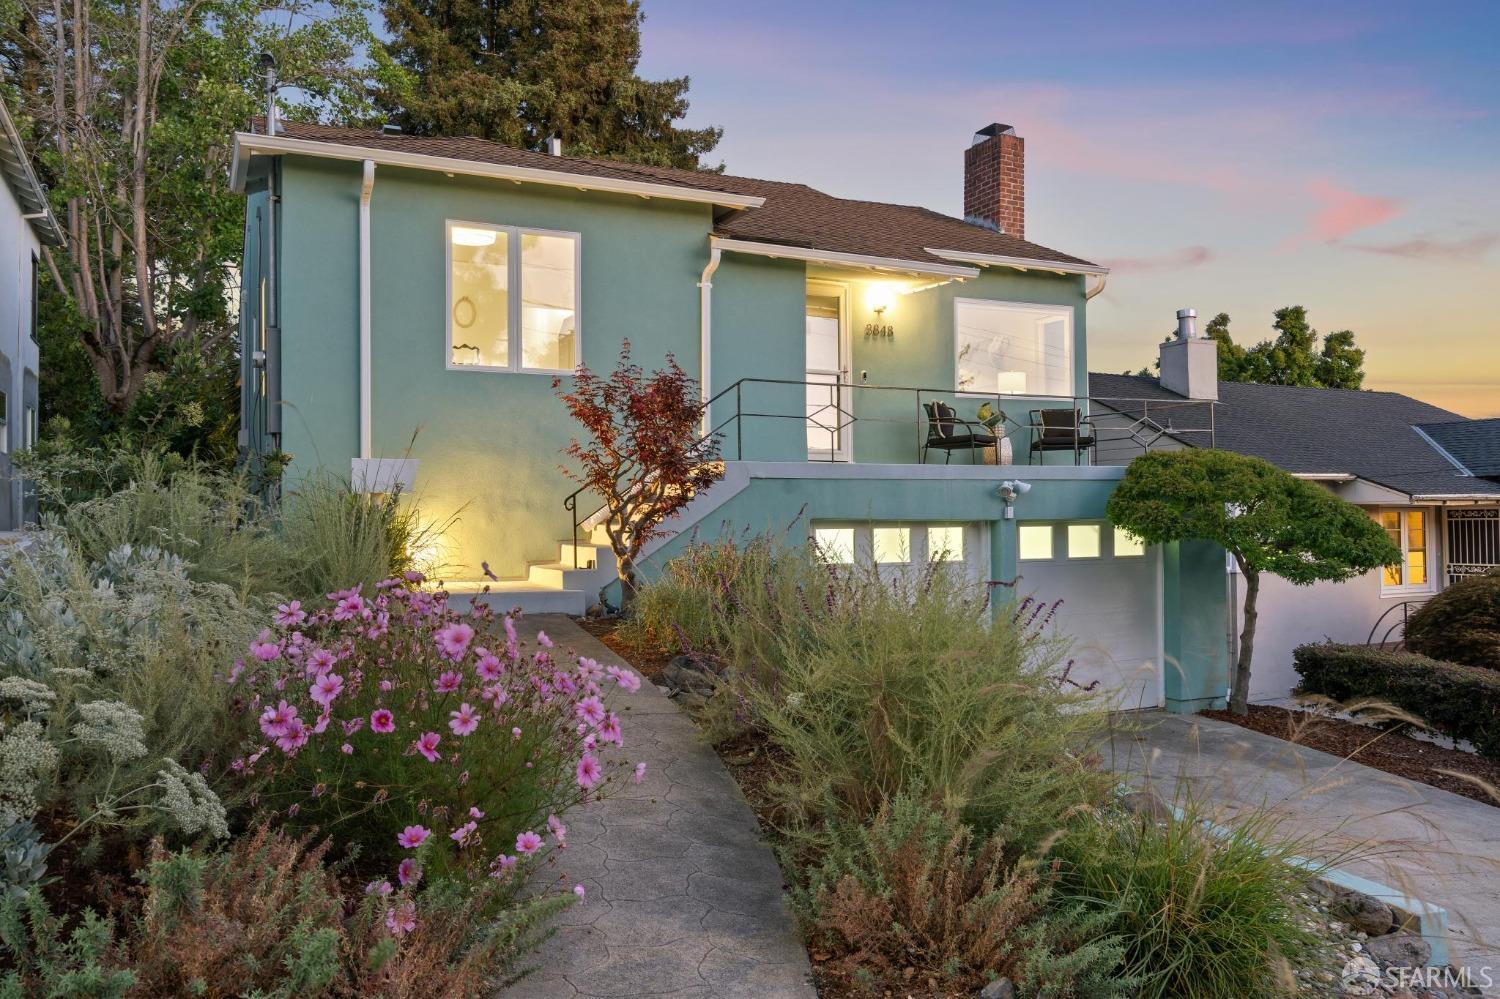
828 415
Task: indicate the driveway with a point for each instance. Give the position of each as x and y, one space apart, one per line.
1424 842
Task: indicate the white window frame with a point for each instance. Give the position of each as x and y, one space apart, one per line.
976 555
514 294
1406 589
1019 307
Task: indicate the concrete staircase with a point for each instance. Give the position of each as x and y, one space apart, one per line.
551 587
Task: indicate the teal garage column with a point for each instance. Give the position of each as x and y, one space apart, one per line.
1195 623
1002 562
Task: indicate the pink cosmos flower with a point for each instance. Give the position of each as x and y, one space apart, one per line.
412 576
407 872
515 733
510 629
640 772
559 831
488 667
427 745
453 639
381 720
475 813
294 738
610 730
326 688
590 709
502 865
264 649
463 832
543 640
589 772
347 749
627 680
463 721
564 683
321 660
349 607
578 890
353 725
588 668
448 682
413 836
274 721
235 671
381 887
291 614
496 695
401 918
528 843
387 685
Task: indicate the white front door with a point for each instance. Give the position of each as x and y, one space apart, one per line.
1101 589
828 414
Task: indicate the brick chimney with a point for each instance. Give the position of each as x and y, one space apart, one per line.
995 180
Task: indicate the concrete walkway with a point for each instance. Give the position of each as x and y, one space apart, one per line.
684 899
1422 841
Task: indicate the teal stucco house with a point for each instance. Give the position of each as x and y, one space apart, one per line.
408 301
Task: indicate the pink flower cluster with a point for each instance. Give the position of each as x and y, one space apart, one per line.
429 720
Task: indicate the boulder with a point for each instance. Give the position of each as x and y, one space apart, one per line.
1000 988
685 674
1146 804
1399 950
1363 912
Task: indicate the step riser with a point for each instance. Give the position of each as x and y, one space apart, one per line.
538 601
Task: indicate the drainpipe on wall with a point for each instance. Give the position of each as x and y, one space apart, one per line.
705 324
1096 289
365 190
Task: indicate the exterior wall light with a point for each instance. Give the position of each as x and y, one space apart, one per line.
1010 489
880 297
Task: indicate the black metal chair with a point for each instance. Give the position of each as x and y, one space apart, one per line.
1061 430
947 433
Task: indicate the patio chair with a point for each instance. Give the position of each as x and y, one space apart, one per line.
1061 430
947 433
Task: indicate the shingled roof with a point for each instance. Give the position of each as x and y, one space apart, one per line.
1312 431
1474 444
792 215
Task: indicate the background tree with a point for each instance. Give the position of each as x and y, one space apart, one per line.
131 105
645 455
1268 521
1294 357
518 71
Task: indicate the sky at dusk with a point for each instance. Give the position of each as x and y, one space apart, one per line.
1228 157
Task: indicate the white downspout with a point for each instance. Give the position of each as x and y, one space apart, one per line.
365 190
1096 289
705 326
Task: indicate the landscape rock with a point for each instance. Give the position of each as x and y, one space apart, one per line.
1000 988
687 673
1400 950
1361 977
1362 912
1146 804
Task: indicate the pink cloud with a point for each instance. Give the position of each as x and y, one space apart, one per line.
1343 212
1188 256
1431 248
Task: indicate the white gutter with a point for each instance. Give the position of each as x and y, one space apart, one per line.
247 144
1325 476
705 325
365 190
1456 498
832 258
1019 263
1096 289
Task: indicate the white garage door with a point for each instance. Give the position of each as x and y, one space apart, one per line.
1110 592
904 549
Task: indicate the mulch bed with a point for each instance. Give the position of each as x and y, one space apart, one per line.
1388 751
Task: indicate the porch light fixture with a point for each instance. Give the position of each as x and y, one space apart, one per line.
464 236
1009 490
880 297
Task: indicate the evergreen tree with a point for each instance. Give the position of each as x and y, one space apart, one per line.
519 71
1295 357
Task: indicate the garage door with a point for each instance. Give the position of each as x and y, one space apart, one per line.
1110 592
904 549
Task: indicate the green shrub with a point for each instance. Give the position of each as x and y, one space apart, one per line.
871 687
911 893
1199 913
1461 624
1461 702
338 539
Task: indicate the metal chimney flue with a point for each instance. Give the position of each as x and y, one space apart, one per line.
268 72
554 145
1187 324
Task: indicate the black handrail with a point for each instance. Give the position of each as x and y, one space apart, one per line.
1404 607
1142 430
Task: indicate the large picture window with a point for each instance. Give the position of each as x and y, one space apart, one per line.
1004 348
512 298
1407 530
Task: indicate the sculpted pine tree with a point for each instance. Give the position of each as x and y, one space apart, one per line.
519 71
1293 358
1268 521
644 454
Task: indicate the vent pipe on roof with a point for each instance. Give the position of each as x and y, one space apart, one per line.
268 72
554 145
1189 362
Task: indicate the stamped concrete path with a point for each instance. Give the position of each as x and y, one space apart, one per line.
1422 841
684 899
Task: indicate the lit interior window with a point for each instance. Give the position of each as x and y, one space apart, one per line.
945 543
549 319
1011 349
1084 540
892 545
835 544
1035 541
1128 544
479 303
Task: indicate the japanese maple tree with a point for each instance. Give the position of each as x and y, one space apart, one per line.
644 453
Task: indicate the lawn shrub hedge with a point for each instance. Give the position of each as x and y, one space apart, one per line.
1461 702
1461 624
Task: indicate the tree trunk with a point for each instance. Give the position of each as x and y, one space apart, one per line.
1239 695
629 583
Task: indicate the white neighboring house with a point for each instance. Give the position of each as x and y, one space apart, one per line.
26 223
1430 477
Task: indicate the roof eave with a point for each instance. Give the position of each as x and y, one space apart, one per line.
1018 263
835 258
23 179
247 144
